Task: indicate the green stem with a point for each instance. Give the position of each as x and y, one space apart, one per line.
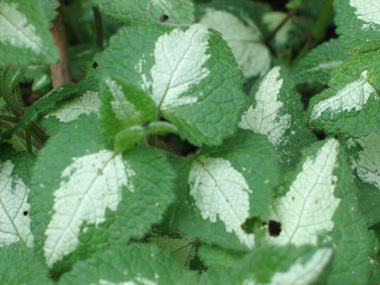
22 135
318 30
11 101
98 27
9 119
28 135
38 133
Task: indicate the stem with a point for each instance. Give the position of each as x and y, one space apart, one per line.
22 135
60 72
98 27
283 22
11 101
318 30
38 133
9 119
28 139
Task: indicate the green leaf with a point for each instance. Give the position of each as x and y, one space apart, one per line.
351 105
14 190
276 111
181 249
25 36
319 207
108 196
86 101
358 23
14 75
216 256
318 63
273 265
50 7
44 104
227 185
40 75
183 71
80 58
134 264
159 11
240 27
365 158
19 265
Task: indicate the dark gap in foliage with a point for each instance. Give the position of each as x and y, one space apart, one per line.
274 228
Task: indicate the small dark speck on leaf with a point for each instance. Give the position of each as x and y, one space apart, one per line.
25 213
274 228
164 18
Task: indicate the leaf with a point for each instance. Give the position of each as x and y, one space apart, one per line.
319 207
181 249
50 7
25 36
241 33
276 111
19 265
93 196
159 11
351 105
273 265
227 185
128 264
317 64
365 159
358 23
182 70
14 190
42 105
14 75
215 256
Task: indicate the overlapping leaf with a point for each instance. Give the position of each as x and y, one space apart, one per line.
88 197
161 11
189 72
25 36
14 190
317 64
277 112
273 265
133 264
358 23
19 265
319 207
226 186
240 26
351 105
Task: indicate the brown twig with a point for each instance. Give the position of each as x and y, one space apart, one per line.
60 72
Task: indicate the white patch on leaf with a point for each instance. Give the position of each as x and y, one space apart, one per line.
179 57
139 281
89 185
368 163
272 20
308 207
220 190
124 110
14 208
303 274
243 39
87 104
368 11
16 30
264 118
353 96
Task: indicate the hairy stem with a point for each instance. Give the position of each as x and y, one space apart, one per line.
10 99
98 27
22 135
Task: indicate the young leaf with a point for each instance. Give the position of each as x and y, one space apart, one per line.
20 265
227 185
351 105
241 33
92 196
14 207
277 112
358 23
159 11
25 36
318 63
273 265
320 207
189 72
